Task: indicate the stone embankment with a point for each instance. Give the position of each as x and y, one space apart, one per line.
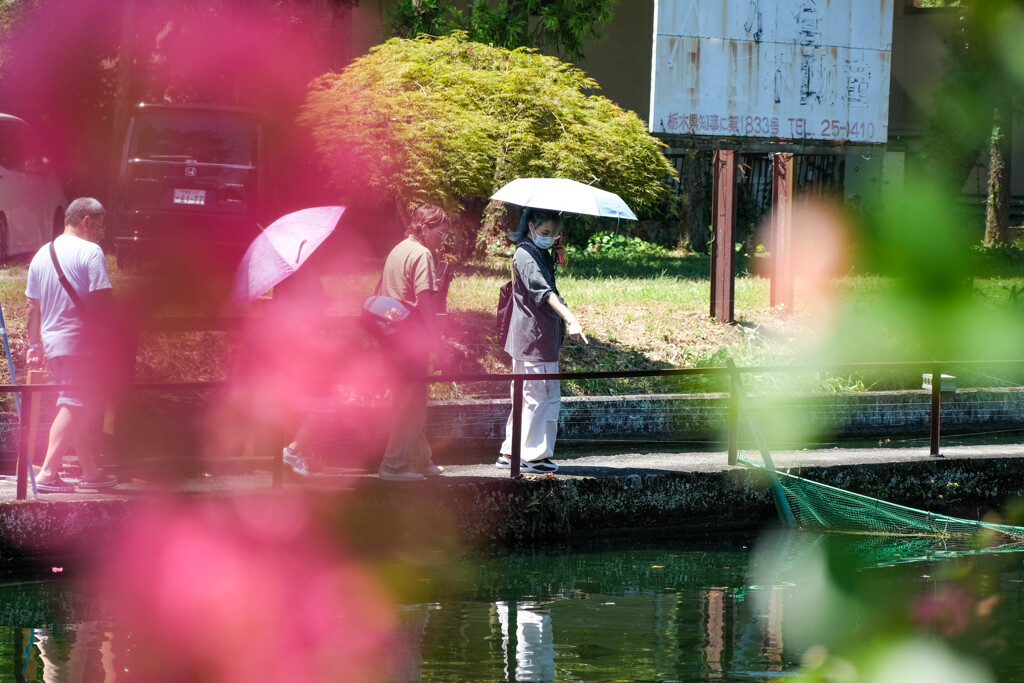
631 494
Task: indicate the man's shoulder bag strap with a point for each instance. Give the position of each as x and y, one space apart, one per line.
64 281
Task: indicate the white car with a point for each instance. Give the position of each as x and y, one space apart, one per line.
32 200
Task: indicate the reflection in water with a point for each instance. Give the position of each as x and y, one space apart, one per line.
532 642
676 611
714 627
84 652
771 648
405 659
667 612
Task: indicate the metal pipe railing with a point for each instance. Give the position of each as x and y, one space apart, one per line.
517 380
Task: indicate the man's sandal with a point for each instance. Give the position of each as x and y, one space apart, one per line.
55 485
104 481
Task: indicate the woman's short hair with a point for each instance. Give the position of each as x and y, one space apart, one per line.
535 216
425 218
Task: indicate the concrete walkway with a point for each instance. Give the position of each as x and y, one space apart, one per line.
645 461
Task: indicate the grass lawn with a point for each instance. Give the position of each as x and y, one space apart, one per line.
650 311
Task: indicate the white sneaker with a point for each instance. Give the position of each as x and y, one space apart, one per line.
295 460
400 476
433 471
544 466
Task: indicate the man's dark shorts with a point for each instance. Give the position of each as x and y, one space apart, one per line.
82 371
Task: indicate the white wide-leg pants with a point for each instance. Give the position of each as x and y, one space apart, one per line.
542 399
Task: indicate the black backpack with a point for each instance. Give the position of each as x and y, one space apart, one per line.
505 304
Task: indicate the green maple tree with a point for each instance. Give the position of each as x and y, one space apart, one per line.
449 121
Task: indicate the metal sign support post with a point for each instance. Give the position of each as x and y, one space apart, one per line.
782 232
722 219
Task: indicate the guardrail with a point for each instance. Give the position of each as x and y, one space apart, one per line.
736 392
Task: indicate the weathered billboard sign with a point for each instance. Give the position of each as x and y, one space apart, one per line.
778 70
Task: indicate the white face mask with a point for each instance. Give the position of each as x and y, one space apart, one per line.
544 241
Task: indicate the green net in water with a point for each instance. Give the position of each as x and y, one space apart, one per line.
819 506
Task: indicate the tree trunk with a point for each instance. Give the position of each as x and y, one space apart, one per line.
499 219
693 229
997 209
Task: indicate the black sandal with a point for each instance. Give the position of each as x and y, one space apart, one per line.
55 485
103 481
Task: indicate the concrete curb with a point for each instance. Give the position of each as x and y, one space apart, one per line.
462 510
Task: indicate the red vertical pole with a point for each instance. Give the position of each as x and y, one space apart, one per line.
517 427
936 414
722 219
734 419
782 232
24 462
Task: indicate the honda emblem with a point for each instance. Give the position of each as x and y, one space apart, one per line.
190 170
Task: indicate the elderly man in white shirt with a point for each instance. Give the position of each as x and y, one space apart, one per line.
57 325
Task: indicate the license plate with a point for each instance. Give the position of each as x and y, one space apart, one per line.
197 197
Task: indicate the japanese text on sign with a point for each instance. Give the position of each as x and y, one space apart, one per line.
773 69
763 126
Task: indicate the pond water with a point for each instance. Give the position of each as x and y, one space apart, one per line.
736 607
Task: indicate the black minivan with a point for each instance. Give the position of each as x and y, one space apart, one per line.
195 179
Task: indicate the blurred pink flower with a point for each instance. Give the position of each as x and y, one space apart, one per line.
948 611
227 591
